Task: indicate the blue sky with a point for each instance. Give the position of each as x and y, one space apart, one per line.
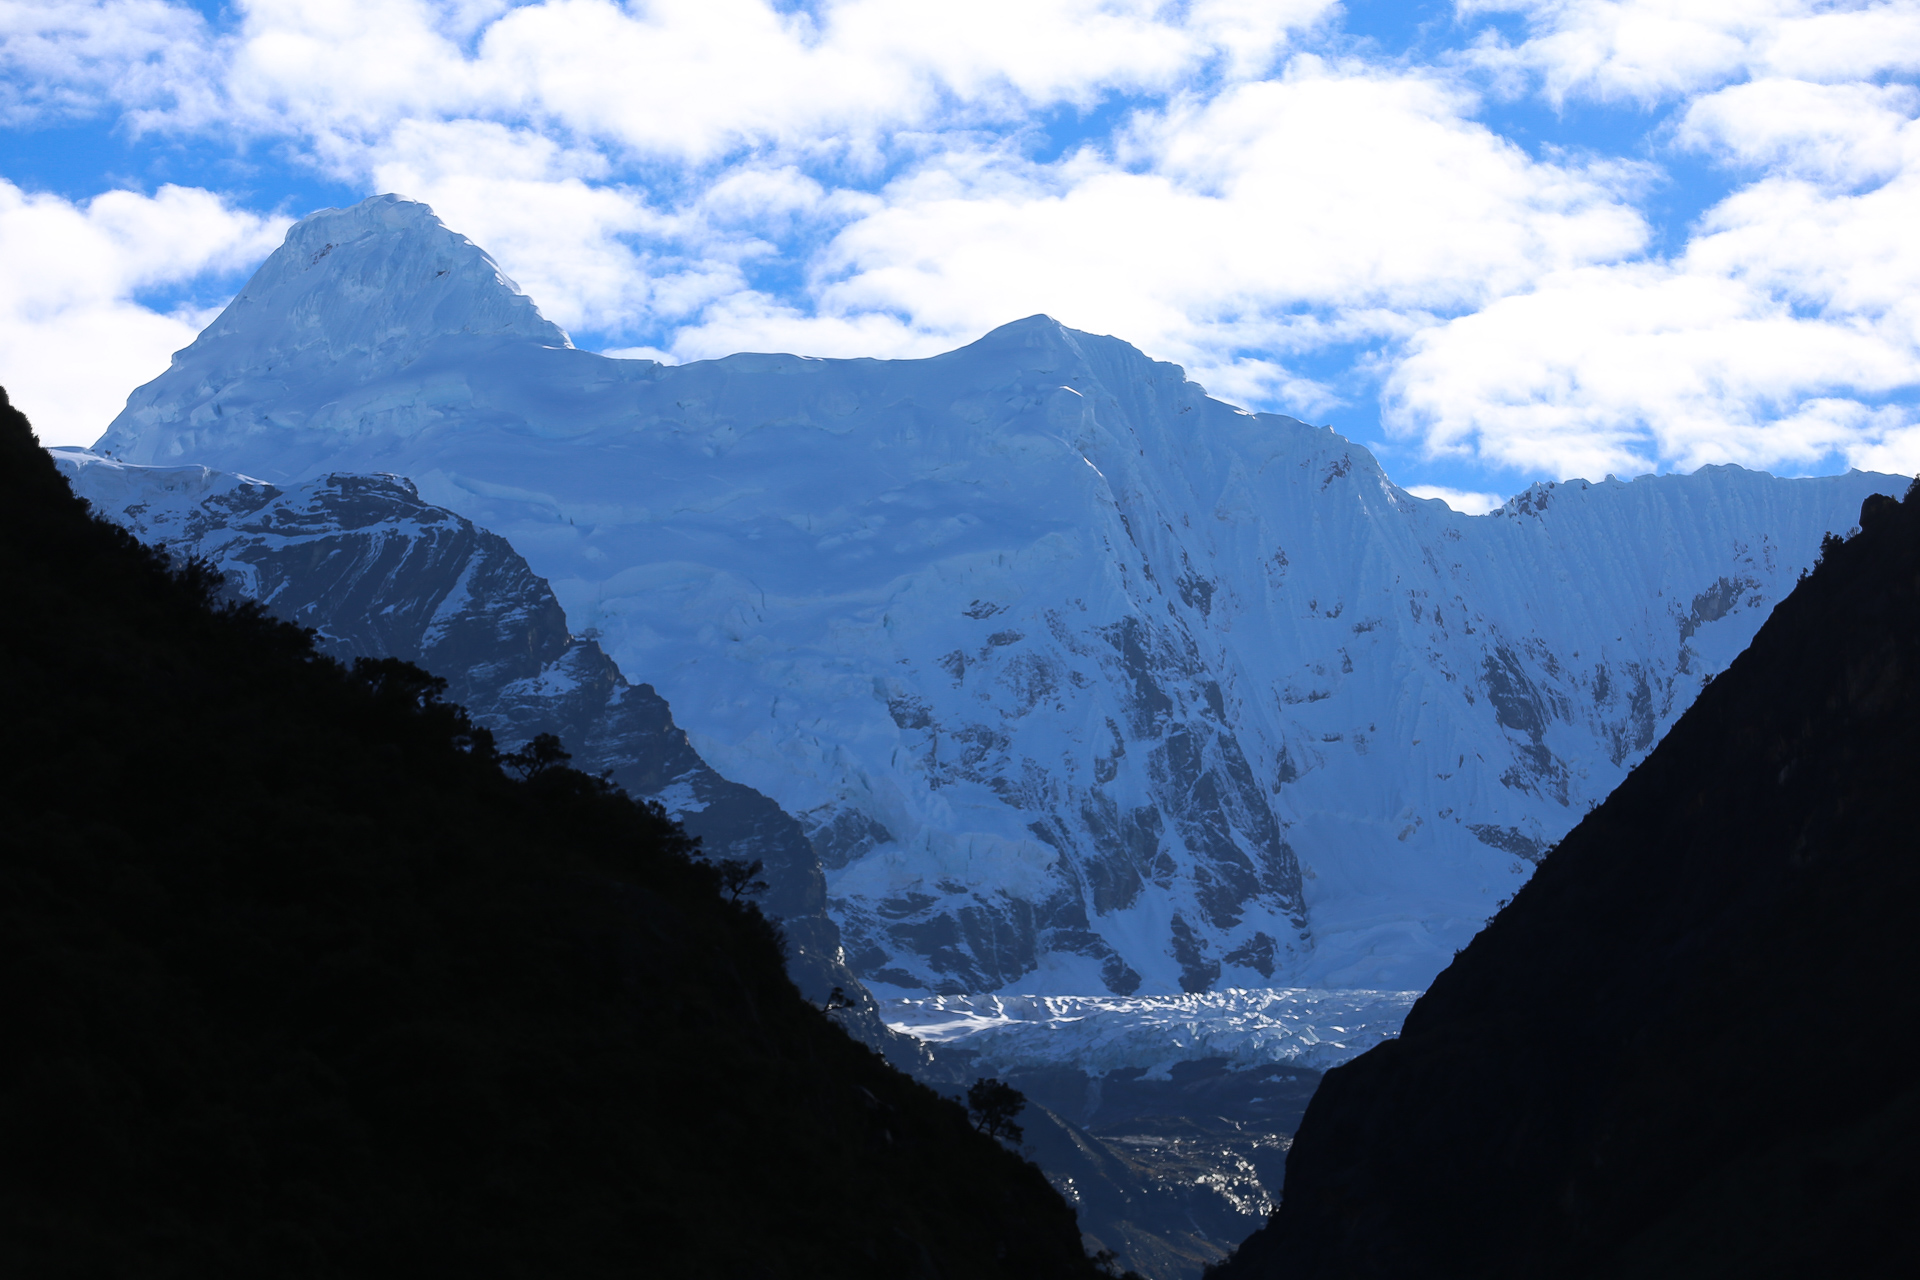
1498 241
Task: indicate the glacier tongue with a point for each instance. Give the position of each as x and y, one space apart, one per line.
1319 1029
1081 680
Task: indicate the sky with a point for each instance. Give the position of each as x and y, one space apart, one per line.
1496 241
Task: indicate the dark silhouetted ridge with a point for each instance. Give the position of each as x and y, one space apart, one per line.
296 982
1688 1046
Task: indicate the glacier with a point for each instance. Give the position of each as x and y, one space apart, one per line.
1316 1029
1079 680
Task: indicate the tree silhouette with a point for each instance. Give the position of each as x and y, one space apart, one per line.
543 755
740 877
993 1105
401 680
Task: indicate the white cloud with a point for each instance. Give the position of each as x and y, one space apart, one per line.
696 79
1844 134
1894 448
641 353
1465 502
343 74
1252 33
1633 368
1787 331
1651 50
1228 232
61 59
73 341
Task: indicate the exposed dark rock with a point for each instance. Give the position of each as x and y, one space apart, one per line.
1197 971
1257 953
1513 840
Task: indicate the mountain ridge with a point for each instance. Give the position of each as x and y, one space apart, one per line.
1078 678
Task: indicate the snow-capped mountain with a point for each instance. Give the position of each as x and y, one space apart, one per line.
1081 681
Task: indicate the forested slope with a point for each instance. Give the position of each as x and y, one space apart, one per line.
296 981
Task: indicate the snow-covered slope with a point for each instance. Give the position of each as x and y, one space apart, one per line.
1082 681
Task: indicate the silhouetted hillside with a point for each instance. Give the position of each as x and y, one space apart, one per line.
295 982
1687 1048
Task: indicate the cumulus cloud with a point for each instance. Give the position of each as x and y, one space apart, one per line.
697 79
1633 369
1465 502
1786 333
66 59
74 340
1780 338
1231 232
1650 50
1894 449
1845 134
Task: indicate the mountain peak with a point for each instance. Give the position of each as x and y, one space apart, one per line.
1033 333
352 294
381 275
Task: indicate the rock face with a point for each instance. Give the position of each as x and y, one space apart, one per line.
1684 1049
379 573
1079 680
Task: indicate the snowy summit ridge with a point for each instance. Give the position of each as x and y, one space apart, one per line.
1079 678
352 294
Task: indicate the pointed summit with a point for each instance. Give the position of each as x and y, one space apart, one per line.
1038 335
353 294
377 278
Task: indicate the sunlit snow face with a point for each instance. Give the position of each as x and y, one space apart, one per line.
1511 237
